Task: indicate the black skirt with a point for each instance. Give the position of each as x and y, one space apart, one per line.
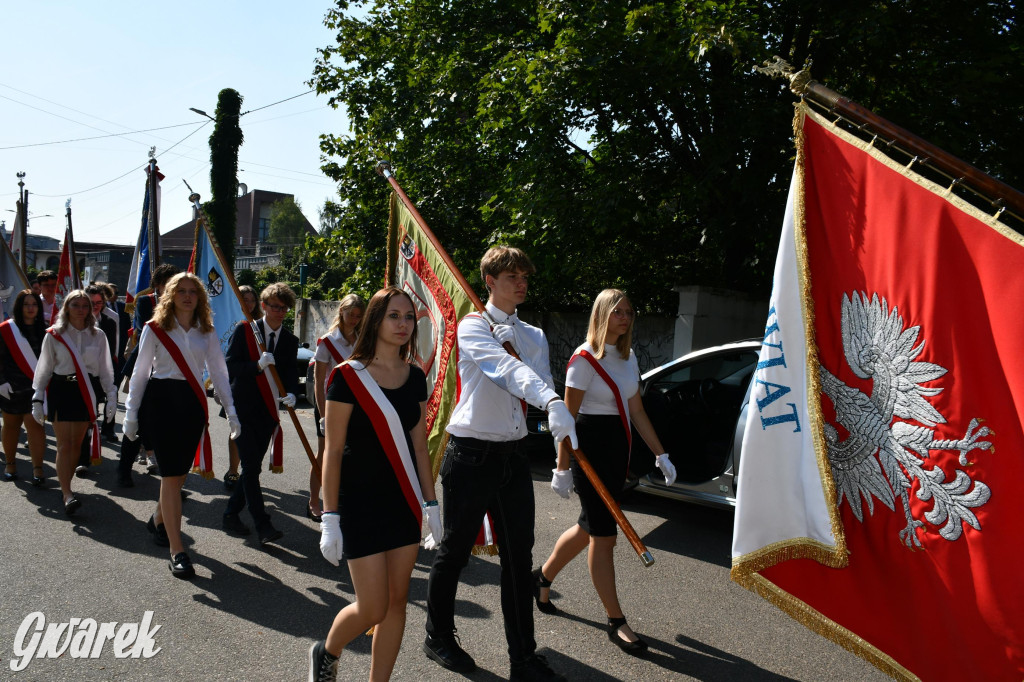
173 421
20 401
64 399
603 440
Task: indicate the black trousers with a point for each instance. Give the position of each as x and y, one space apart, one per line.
477 477
252 449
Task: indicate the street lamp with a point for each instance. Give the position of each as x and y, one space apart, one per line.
202 113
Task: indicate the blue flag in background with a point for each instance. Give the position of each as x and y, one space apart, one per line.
224 300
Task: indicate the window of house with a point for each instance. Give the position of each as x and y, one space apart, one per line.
263 230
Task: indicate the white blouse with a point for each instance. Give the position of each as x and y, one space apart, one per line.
54 358
599 398
201 350
323 354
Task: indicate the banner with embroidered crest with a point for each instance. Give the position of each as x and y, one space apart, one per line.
419 268
12 280
872 504
208 266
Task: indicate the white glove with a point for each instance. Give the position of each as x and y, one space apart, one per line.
434 526
330 537
110 409
561 424
130 428
234 426
561 482
288 400
503 333
5 390
37 412
665 464
265 359
323 426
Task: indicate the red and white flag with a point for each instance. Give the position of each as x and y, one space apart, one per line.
883 461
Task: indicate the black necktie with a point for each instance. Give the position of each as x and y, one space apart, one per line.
270 345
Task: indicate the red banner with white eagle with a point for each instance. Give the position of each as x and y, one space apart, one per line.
882 474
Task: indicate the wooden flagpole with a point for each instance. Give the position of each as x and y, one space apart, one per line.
999 194
646 557
230 275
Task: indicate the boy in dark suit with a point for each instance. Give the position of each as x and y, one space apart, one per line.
256 399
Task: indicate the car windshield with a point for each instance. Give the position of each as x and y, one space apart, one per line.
731 369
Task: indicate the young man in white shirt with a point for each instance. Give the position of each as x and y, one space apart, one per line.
485 467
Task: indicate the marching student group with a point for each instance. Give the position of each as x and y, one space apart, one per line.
61 363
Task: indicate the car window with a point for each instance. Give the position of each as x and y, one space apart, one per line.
732 369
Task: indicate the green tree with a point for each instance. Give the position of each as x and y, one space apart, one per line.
224 143
632 144
287 224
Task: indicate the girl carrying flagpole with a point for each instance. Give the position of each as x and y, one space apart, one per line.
332 349
376 482
74 363
22 341
602 392
176 345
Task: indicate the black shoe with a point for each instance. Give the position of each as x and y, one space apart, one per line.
158 531
445 650
311 515
635 648
82 471
233 524
72 505
230 480
269 534
539 581
181 566
10 475
38 480
534 669
124 480
111 437
323 667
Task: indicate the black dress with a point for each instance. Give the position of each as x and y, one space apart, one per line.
375 516
20 401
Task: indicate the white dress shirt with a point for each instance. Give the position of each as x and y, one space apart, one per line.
493 382
599 398
324 355
54 358
200 350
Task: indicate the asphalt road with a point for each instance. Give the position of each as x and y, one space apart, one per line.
251 613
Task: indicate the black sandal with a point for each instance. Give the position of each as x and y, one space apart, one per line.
37 477
540 582
10 472
634 648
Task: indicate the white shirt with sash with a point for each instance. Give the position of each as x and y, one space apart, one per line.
90 344
599 398
493 382
330 346
201 350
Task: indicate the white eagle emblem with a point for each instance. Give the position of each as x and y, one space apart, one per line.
882 457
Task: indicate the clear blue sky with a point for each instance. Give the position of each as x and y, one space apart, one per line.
83 69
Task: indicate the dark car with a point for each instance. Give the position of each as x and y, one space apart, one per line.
698 406
304 361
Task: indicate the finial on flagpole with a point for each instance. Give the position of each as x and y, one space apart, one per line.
383 168
67 204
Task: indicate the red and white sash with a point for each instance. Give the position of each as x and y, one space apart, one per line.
332 347
19 348
85 387
203 462
619 403
388 427
268 391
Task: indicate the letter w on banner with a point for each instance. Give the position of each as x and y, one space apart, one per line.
881 490
415 266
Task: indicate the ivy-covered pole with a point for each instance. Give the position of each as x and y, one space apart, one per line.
224 143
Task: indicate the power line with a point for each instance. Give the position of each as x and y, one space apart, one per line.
130 171
98 137
267 106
